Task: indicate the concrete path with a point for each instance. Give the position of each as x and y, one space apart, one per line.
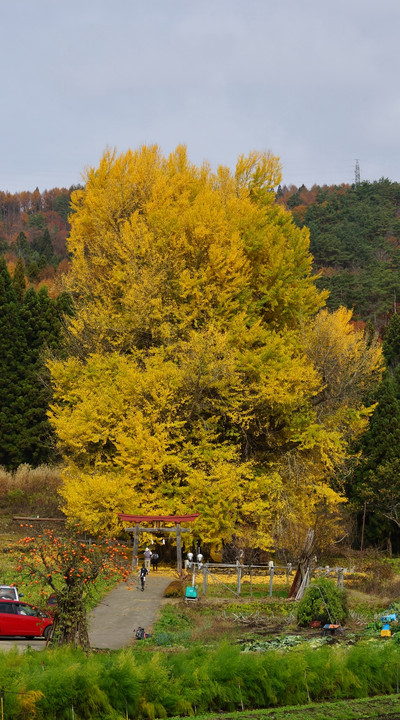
113 623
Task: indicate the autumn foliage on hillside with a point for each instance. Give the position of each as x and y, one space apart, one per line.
199 374
33 228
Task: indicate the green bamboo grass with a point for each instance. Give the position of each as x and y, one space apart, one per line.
137 683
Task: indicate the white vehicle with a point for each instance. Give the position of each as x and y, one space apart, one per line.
9 592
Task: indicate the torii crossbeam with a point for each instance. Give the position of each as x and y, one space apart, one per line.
158 528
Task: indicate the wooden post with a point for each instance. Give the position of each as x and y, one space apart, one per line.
339 583
239 580
135 547
178 549
205 578
362 530
251 582
271 579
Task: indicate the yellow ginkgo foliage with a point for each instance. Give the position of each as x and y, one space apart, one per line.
194 372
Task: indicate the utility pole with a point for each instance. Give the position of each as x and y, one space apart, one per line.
357 178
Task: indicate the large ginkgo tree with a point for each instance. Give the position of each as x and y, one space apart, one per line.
197 373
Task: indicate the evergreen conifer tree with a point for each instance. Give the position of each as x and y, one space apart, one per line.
44 247
391 350
382 440
377 479
41 327
22 244
29 323
13 376
19 281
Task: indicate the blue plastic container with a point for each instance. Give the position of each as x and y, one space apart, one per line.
191 592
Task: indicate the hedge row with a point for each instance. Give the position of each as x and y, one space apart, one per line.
131 683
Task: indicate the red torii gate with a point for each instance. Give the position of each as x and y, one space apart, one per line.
158 528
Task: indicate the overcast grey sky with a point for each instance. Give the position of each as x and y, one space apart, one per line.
316 82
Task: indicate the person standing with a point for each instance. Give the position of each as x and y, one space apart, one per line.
154 559
147 559
142 576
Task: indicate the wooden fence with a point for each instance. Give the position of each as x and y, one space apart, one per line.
211 571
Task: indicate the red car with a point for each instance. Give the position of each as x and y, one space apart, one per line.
20 619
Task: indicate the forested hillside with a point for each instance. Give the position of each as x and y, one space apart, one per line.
355 242
34 227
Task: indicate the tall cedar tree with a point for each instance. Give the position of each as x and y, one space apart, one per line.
391 349
195 380
44 247
377 479
29 323
15 377
19 281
